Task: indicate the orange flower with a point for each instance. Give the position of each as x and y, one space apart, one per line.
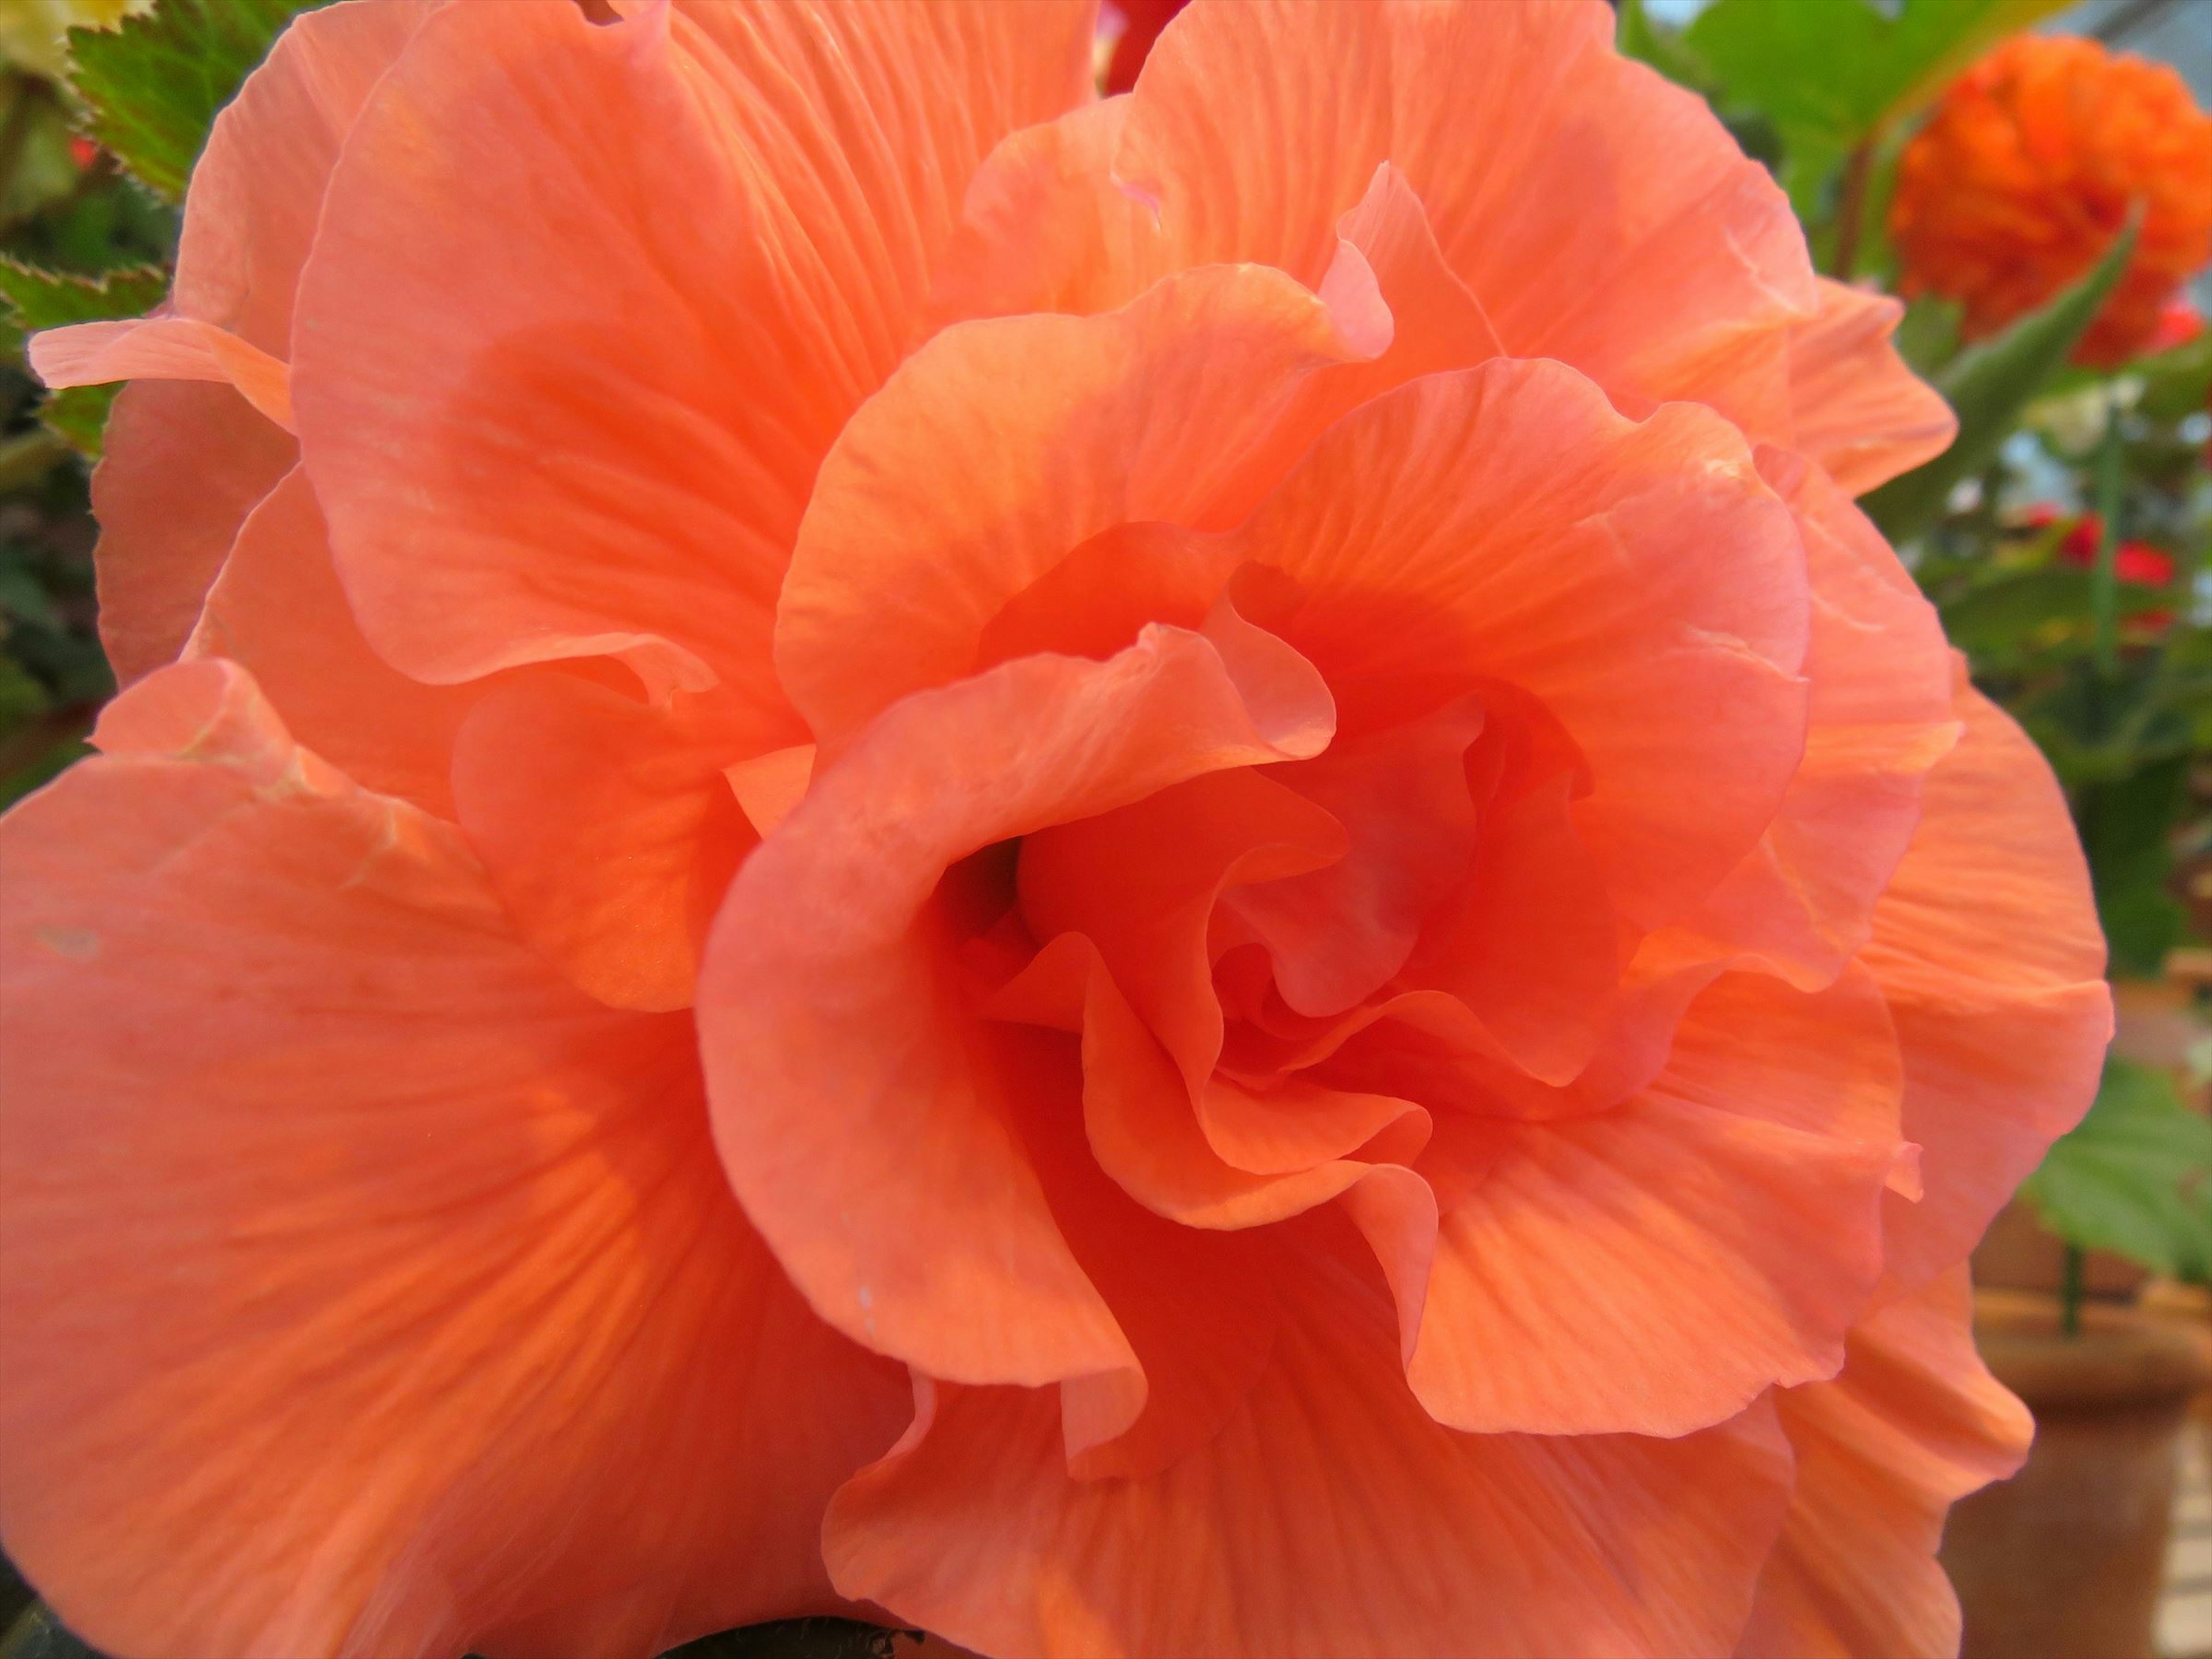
1376 976
2030 166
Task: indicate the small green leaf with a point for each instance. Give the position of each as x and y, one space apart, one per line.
2135 1176
50 299
79 414
30 299
154 84
1638 35
1987 386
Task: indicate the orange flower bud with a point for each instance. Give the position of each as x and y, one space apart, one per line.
2026 171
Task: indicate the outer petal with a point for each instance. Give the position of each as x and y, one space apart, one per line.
1913 1423
607 395
1879 717
859 1106
1655 1269
369 1290
278 608
186 462
1857 408
1599 215
1988 950
1343 1520
250 216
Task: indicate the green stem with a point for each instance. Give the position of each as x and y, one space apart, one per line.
1850 211
2069 1293
2103 580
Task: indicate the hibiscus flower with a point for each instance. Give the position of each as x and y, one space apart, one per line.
1160 876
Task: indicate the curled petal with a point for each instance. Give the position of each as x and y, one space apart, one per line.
857 1107
1912 1423
1653 1269
1002 446
1989 953
1856 407
1488 521
1879 717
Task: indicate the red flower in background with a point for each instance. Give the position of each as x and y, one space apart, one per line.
2132 561
2030 166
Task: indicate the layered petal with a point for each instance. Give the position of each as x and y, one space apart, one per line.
185 462
1637 578
1655 1269
527 452
1912 1423
1989 954
1855 407
608 827
277 608
369 1289
1330 1515
1005 445
1879 717
1597 214
859 1105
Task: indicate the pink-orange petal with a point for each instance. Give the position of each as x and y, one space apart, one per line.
1256 125
1653 1268
1003 444
860 1108
1503 523
1880 717
1345 1520
371 1290
277 608
1912 1423
1855 407
607 826
185 462
1988 950
610 454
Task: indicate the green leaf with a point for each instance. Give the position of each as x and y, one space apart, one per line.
1638 35
2134 1177
37 1634
152 85
79 414
2127 827
1829 72
1987 386
30 299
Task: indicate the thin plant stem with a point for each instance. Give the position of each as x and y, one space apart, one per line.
2069 1293
1850 211
2103 580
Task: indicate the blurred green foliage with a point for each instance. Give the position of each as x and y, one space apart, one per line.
2134 1177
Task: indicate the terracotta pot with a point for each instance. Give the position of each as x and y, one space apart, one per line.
2065 1559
